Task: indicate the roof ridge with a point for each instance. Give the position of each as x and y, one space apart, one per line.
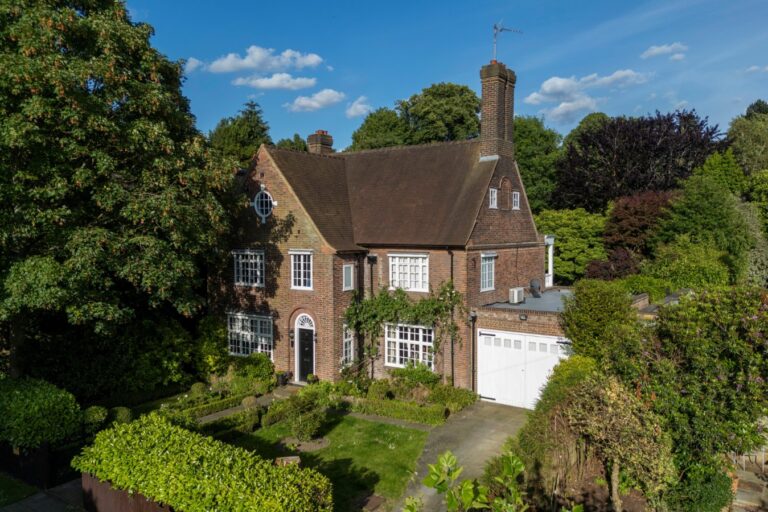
302 152
408 146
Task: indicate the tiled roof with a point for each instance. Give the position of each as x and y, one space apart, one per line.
425 195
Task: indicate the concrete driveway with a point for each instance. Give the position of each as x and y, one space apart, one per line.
474 435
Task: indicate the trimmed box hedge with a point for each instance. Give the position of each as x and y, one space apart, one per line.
431 414
219 405
194 473
34 412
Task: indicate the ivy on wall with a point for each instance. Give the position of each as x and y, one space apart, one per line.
439 310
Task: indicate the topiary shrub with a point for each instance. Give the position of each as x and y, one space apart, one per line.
306 424
277 412
455 399
198 389
187 471
34 412
120 415
380 390
94 418
250 402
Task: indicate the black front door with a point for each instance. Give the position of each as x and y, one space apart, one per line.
306 353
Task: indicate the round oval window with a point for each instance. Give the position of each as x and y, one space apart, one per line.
263 204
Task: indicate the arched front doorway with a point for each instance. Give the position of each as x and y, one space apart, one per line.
305 347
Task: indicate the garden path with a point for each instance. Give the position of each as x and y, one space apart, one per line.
67 497
474 435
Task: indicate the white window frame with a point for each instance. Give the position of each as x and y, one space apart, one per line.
346 286
304 276
347 346
245 276
399 351
248 333
493 198
487 263
515 200
399 261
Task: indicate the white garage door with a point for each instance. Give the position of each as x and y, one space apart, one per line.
512 367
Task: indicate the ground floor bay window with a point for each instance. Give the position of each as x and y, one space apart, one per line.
248 333
405 344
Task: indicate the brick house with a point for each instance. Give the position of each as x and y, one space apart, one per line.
325 225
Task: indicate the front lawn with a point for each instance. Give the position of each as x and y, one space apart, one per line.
363 457
12 490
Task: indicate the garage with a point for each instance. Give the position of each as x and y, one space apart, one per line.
512 367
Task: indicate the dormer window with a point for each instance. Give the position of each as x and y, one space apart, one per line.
263 204
493 198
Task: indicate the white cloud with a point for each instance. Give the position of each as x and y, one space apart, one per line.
329 68
276 81
568 111
571 96
755 69
192 64
680 104
663 49
321 99
359 107
264 59
677 56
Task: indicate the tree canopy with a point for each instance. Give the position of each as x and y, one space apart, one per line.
621 156
537 149
578 240
381 128
748 136
240 136
297 143
108 204
440 112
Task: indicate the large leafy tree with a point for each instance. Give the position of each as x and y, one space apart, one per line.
578 240
749 138
107 190
297 143
381 128
756 108
708 212
240 136
624 155
537 149
441 112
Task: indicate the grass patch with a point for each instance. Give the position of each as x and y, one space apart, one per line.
12 490
363 457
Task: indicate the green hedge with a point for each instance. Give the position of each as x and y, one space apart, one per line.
431 414
33 412
219 405
455 399
193 473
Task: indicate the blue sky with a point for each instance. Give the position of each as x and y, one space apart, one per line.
323 64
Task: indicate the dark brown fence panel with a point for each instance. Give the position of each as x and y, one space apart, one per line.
102 497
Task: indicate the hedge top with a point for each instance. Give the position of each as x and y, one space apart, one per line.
34 412
193 473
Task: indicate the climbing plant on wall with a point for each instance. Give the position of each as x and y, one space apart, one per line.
439 310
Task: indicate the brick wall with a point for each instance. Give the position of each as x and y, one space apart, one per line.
289 228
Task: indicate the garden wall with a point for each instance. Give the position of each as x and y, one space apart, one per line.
102 497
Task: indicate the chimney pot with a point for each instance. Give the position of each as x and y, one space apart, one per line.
320 143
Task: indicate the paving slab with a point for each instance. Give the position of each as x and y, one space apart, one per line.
67 497
474 435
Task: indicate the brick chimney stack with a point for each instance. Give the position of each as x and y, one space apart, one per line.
497 111
320 143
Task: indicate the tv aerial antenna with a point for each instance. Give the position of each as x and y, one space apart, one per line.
499 28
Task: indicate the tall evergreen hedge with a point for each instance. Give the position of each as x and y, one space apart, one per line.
193 473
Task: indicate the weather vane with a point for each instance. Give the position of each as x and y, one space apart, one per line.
497 28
